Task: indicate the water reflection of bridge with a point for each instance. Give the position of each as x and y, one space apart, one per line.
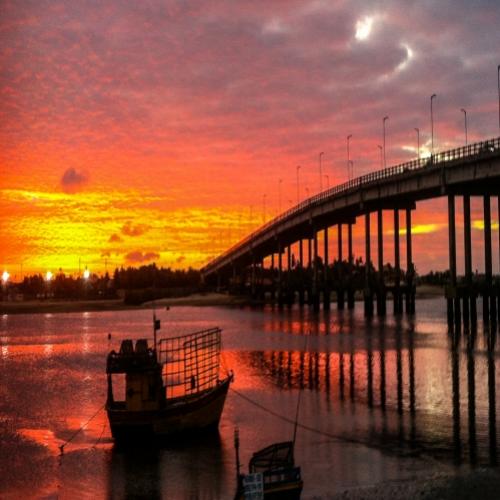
257 260
375 377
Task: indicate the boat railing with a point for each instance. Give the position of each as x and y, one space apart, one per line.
190 362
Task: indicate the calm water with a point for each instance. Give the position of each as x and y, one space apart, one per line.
382 401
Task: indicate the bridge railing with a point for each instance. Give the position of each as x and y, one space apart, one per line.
470 151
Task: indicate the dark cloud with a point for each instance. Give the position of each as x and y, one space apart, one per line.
72 180
138 257
115 238
137 230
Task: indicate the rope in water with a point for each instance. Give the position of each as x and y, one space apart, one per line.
61 447
289 420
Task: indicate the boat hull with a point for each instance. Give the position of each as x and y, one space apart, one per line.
194 413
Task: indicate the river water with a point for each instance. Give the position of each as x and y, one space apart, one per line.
384 401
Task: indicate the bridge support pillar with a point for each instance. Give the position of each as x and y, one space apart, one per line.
397 266
340 287
326 285
315 284
280 276
381 295
302 276
273 285
252 279
310 272
289 289
452 298
350 289
469 299
368 296
487 263
410 270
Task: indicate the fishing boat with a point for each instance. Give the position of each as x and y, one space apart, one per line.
167 389
272 474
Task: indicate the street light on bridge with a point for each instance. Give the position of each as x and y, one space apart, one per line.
417 130
279 195
433 96
264 208
383 133
381 156
465 123
320 172
298 193
327 181
348 158
498 70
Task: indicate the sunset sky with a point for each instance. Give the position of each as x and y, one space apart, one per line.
133 132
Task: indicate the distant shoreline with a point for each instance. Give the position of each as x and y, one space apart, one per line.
195 300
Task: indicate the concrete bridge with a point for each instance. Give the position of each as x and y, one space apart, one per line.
473 170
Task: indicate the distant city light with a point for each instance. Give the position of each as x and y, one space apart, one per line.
5 276
48 276
86 274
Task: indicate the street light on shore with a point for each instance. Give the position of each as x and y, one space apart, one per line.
383 132
348 158
417 130
320 172
298 192
465 123
433 96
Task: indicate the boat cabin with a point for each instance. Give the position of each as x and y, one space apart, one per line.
136 374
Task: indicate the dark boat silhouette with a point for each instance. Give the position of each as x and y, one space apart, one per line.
272 474
168 389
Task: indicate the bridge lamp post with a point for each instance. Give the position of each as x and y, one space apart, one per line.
307 192
279 196
383 133
381 156
348 158
264 208
327 181
298 192
320 172
465 123
433 96
417 130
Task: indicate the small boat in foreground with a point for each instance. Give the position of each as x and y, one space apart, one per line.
170 388
272 474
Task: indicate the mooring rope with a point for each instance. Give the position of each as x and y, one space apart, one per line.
309 428
61 447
